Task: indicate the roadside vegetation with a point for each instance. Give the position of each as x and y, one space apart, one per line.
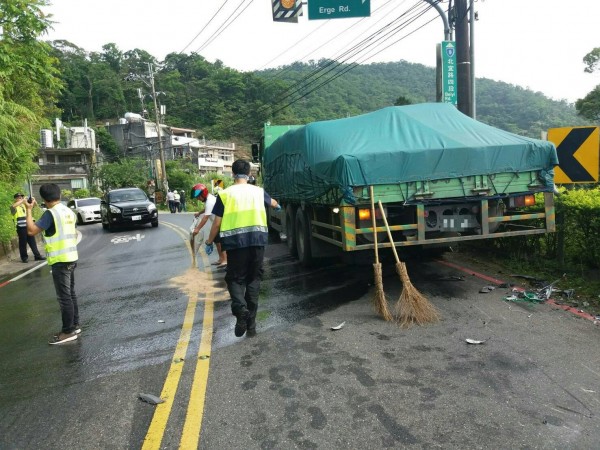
571 255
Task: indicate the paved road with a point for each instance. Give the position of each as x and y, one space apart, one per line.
534 383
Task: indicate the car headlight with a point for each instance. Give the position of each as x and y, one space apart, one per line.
151 207
114 209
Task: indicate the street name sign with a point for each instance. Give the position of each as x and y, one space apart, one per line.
448 56
338 9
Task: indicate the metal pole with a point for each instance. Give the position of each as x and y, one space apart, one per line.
472 55
447 32
463 58
164 182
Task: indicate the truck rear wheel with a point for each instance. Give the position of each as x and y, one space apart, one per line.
290 229
303 238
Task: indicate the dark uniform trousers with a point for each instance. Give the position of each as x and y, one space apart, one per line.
244 273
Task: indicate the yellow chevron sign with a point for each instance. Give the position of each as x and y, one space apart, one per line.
578 150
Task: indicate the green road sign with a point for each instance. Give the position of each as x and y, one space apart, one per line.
338 9
449 75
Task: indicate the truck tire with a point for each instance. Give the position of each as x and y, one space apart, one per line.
290 229
303 238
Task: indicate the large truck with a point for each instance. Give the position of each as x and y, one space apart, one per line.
441 177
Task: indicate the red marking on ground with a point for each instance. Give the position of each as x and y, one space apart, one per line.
471 272
4 284
552 302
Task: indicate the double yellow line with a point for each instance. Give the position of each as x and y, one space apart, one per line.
195 410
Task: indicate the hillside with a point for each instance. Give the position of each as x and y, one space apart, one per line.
369 87
223 103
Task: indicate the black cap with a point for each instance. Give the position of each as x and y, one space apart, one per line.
18 195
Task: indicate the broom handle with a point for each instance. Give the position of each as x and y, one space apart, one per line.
374 224
389 232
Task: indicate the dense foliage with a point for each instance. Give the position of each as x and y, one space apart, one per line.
221 103
28 90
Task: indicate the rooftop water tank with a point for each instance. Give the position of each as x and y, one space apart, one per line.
122 121
46 138
133 117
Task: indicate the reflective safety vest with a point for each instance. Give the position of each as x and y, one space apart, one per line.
20 216
62 245
244 222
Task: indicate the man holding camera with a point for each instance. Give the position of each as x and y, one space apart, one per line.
60 238
18 211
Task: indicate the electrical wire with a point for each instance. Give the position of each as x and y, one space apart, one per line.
327 22
346 70
225 25
355 50
204 28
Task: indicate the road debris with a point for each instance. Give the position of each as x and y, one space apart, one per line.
161 321
149 398
486 289
474 341
338 327
452 278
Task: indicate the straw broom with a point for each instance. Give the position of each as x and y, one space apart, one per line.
379 300
412 307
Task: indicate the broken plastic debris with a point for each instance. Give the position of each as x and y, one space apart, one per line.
161 321
338 327
473 341
486 289
511 298
149 398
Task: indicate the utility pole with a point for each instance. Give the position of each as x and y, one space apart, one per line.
164 182
472 19
463 58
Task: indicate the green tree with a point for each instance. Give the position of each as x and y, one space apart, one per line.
29 85
589 106
124 173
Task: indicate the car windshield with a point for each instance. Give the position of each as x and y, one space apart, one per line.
88 202
128 196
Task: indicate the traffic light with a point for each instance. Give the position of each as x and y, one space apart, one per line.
255 152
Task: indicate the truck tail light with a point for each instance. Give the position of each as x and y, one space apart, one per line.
522 200
364 214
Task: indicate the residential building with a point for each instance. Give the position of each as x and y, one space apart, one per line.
69 164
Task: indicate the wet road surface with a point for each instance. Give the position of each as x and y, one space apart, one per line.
297 384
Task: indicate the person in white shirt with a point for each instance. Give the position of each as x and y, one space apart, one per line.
176 201
200 192
170 200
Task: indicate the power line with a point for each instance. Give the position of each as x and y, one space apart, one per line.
354 51
225 24
204 28
348 68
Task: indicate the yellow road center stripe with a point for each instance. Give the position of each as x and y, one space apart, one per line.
191 433
195 411
157 427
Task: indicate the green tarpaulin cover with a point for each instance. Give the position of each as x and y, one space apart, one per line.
430 141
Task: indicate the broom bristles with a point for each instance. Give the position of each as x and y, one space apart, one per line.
379 300
412 306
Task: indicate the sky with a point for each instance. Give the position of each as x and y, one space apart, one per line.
535 44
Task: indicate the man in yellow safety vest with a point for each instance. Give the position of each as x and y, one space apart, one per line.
18 212
241 222
60 238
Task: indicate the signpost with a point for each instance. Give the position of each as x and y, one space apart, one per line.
338 9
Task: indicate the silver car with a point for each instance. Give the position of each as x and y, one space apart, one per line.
87 209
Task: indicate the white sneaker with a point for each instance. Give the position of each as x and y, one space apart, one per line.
62 338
